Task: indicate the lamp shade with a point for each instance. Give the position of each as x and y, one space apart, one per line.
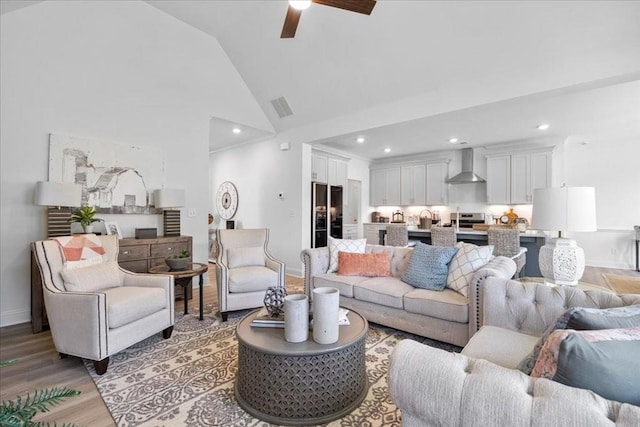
65 194
168 198
564 209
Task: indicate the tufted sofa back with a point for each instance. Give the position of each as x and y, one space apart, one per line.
531 308
400 257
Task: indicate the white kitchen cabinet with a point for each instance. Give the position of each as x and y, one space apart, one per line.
349 231
528 172
499 180
319 168
337 172
372 232
511 178
436 187
412 185
385 187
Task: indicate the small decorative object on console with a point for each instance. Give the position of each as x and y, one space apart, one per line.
274 300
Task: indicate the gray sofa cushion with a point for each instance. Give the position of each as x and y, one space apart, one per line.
447 304
387 291
501 346
343 283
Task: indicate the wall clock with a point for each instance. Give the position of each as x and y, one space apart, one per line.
227 200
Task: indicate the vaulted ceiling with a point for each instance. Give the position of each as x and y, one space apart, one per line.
415 73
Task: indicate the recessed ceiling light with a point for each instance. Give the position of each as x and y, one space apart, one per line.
360 139
453 140
387 150
236 130
300 4
543 126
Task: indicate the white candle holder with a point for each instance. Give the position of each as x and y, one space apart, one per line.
326 306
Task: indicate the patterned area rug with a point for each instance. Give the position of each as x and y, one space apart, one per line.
623 284
188 380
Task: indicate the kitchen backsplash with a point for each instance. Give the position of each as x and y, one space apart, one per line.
412 213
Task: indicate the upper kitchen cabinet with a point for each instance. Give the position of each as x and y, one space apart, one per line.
385 186
528 172
436 192
328 169
319 168
412 185
337 172
511 178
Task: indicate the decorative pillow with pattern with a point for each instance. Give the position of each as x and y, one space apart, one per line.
464 264
581 318
343 245
429 266
604 361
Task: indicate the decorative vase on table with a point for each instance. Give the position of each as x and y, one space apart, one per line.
88 229
296 318
326 305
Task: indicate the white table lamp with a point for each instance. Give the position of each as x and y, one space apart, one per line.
563 209
167 198
58 197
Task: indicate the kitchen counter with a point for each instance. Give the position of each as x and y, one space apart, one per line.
532 240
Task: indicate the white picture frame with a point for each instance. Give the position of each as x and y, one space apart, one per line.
113 229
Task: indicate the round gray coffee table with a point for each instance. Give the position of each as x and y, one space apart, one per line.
300 383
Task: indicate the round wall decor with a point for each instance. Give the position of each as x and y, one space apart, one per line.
227 200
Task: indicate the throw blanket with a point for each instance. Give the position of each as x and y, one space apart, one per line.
80 247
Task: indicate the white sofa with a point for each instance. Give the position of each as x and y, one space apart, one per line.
441 315
480 387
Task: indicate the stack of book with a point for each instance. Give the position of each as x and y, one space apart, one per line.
264 320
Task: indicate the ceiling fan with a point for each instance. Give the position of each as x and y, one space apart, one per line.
296 7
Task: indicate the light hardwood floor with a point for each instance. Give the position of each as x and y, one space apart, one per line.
38 365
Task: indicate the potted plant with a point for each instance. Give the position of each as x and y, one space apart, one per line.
86 218
180 261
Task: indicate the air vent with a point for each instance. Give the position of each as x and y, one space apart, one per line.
282 107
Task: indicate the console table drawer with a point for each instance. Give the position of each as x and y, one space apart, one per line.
133 252
163 250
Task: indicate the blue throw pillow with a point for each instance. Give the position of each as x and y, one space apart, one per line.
429 266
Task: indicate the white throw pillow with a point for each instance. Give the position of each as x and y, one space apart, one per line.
93 278
464 264
245 257
343 245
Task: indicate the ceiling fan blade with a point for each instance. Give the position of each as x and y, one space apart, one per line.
359 6
290 23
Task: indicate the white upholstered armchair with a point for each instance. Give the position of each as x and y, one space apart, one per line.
245 269
99 310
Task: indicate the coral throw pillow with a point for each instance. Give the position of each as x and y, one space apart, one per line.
343 245
369 265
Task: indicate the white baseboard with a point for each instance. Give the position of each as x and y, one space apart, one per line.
15 317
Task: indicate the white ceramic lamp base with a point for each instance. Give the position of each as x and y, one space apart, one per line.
561 262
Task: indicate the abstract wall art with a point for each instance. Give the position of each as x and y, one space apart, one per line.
116 178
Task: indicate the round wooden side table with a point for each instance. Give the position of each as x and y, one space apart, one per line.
183 278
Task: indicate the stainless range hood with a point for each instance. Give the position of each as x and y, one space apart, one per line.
467 175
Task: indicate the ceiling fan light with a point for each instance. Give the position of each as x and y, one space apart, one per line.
300 4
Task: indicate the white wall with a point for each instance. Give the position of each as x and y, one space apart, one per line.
115 71
610 163
260 171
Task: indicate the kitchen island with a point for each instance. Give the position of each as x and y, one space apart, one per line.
532 240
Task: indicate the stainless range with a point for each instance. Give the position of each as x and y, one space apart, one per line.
467 219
